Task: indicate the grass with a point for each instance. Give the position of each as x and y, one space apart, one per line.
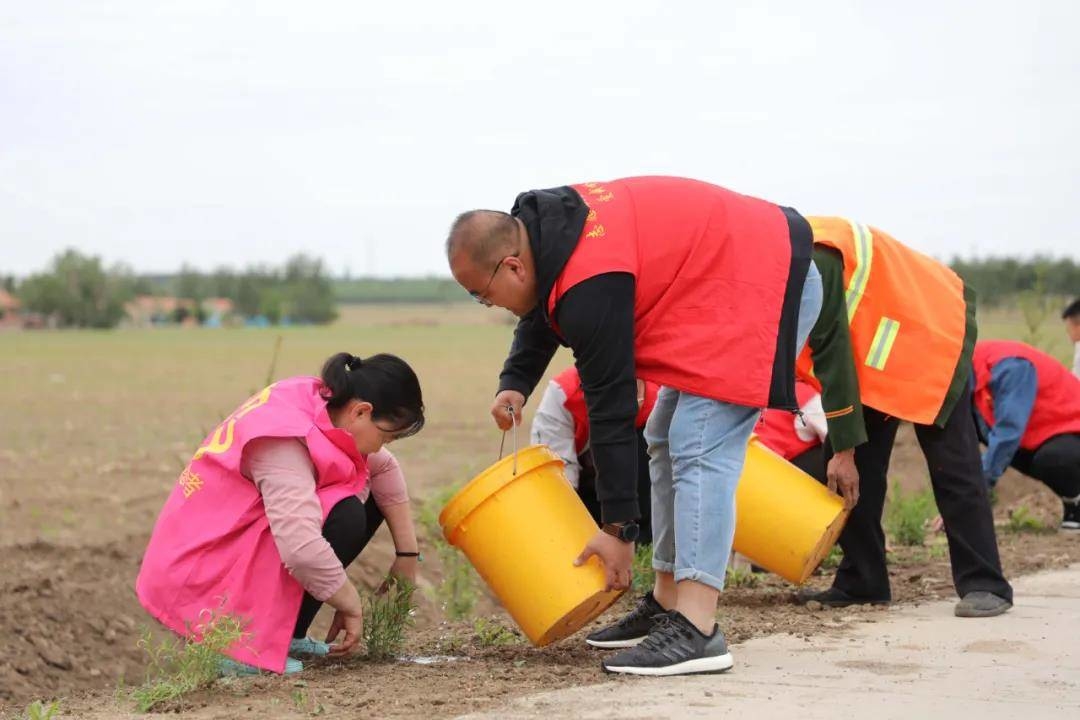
644 575
38 710
740 577
386 618
459 591
907 516
489 633
177 667
832 560
1022 521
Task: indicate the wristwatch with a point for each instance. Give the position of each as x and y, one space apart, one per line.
627 532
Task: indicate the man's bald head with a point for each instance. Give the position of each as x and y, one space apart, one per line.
483 236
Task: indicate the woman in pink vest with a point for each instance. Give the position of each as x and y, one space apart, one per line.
276 503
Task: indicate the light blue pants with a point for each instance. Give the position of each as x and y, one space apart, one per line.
696 450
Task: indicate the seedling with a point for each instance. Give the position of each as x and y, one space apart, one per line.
386 618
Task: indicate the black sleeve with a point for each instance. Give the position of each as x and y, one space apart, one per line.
596 317
532 349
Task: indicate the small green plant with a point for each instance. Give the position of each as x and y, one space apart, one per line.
490 633
740 577
177 667
1021 520
38 710
458 592
386 618
832 560
644 575
908 514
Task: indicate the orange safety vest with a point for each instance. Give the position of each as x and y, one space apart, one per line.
907 316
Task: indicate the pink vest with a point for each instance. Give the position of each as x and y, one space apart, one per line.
212 549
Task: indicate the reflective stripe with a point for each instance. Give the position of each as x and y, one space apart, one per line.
864 257
887 330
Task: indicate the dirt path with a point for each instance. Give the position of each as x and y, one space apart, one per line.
914 662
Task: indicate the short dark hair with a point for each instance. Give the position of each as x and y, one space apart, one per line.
1072 312
386 381
484 235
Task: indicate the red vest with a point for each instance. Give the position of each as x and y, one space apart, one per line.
776 430
1057 401
570 382
710 268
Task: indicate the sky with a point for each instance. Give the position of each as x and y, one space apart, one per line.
226 134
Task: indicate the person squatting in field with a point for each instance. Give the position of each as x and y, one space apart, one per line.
709 294
1027 409
277 502
562 423
894 342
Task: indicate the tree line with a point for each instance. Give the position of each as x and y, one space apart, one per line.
77 290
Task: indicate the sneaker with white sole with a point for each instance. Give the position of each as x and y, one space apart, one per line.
227 667
1071 519
674 647
308 646
630 629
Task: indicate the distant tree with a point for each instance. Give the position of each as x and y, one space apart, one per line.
78 292
190 284
308 294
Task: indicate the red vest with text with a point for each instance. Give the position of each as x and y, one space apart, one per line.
1057 401
710 269
570 382
776 430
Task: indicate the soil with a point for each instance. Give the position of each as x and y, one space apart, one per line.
70 625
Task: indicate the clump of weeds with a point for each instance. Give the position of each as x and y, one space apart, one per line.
176 667
459 591
908 516
489 633
38 710
1021 520
644 575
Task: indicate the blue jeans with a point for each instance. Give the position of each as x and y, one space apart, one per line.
696 450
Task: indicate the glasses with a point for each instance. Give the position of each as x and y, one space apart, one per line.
479 296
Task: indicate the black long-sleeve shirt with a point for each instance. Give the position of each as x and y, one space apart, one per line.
596 319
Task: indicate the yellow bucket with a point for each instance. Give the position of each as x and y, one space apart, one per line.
522 533
785 520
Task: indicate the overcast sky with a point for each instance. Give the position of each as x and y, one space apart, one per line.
225 133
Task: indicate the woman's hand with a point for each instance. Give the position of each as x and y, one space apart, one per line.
352 623
404 568
348 617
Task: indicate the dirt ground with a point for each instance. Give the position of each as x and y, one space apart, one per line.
79 489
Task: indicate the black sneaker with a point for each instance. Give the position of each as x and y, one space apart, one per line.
631 629
833 598
674 647
1071 520
979 603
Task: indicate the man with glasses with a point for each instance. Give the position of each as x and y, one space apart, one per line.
706 292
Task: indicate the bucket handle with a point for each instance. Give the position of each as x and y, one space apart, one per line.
502 443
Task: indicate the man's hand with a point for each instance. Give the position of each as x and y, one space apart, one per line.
617 557
844 477
507 399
